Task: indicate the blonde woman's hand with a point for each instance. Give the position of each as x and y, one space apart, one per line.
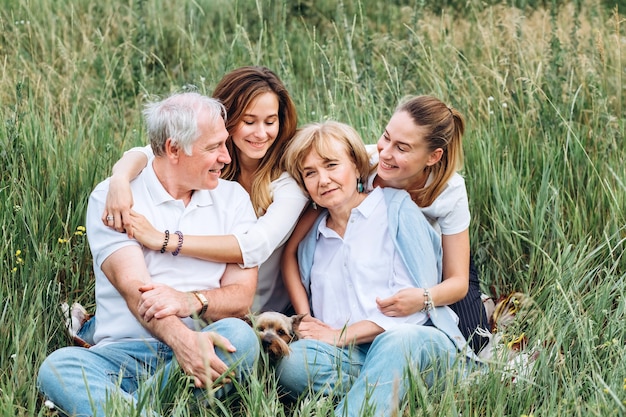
318 330
402 303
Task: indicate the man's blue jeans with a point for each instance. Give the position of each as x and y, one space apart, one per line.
80 380
371 375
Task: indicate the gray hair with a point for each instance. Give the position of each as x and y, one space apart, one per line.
176 117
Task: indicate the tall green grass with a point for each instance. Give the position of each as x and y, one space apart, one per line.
541 86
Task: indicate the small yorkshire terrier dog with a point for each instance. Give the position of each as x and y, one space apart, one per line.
275 331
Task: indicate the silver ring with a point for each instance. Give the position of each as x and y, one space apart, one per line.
110 218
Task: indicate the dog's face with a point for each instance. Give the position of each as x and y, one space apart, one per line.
506 310
276 331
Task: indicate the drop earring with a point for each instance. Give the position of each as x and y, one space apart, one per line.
359 185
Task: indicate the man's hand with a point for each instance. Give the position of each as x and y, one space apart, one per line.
195 352
159 300
402 303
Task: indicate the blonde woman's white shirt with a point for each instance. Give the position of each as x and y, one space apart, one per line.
449 213
263 244
350 272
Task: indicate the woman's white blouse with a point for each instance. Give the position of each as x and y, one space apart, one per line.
349 273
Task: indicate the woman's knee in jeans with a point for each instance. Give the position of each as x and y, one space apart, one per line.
419 342
291 369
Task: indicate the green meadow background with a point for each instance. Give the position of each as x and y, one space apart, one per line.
542 85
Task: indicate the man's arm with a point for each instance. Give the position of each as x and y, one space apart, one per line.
233 299
195 351
236 293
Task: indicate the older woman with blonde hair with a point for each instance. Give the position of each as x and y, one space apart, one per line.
363 247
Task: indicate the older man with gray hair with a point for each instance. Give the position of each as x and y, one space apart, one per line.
180 191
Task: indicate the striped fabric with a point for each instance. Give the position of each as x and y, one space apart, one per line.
472 313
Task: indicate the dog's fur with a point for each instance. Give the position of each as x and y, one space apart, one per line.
275 331
507 308
510 312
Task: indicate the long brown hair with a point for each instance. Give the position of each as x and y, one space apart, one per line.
236 91
444 128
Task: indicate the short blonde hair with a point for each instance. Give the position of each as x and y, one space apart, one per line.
318 137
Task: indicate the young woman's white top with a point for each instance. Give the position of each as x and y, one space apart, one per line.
449 213
262 245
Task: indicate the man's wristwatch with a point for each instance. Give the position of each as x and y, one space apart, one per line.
203 300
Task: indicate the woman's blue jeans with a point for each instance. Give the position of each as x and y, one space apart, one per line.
368 376
79 381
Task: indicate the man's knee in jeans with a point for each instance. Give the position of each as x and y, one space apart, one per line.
55 367
242 337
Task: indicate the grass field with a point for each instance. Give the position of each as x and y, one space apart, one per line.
543 92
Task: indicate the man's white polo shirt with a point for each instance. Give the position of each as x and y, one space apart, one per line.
225 210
